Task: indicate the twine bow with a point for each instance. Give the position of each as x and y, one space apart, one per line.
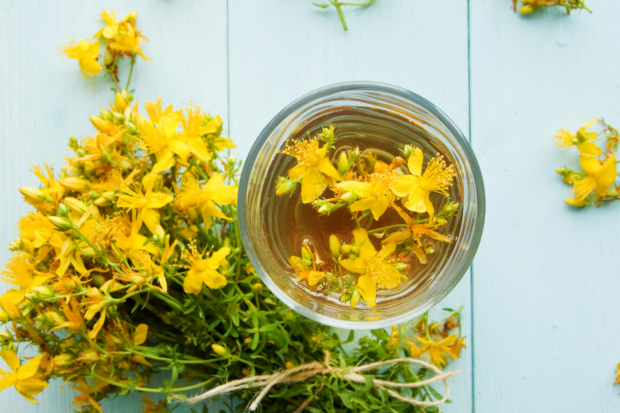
305 371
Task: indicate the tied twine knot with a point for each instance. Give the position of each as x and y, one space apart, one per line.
305 371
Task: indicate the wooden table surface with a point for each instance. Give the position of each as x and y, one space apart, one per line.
541 298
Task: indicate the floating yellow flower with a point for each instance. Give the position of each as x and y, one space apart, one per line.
204 270
86 54
305 272
24 378
312 165
375 267
600 177
415 232
163 141
418 186
147 202
374 195
205 199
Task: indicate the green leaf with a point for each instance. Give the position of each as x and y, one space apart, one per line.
323 6
369 382
435 393
350 338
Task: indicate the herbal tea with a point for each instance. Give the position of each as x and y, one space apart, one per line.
362 215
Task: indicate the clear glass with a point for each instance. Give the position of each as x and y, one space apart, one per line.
365 111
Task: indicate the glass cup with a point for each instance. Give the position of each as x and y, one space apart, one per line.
369 111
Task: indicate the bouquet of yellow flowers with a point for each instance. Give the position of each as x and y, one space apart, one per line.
131 264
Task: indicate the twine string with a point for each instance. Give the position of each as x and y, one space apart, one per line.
305 371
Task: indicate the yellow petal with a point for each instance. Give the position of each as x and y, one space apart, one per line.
7 381
363 204
328 169
386 251
417 200
215 182
297 171
589 148
404 185
11 359
149 181
140 359
213 279
429 207
606 176
357 266
361 238
170 123
224 143
361 189
421 255
30 387
398 236
368 288
583 187
179 148
198 148
165 160
192 283
313 184
139 336
225 195
576 202
589 164
29 369
380 207
415 162
215 260
387 276
209 209
150 217
91 66
314 277
93 333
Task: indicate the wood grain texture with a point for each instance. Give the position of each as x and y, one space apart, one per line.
44 100
279 51
546 276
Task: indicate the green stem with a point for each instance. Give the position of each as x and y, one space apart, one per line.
386 228
340 14
133 61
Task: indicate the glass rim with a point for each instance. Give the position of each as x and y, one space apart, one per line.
374 87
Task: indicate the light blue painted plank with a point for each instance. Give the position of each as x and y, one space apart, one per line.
279 51
546 277
45 100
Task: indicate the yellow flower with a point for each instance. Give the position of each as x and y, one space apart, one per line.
86 394
163 141
249 268
86 54
565 139
415 232
600 178
438 350
123 37
36 228
24 378
128 237
74 322
147 202
418 186
205 199
96 300
617 374
10 301
197 125
375 267
312 164
374 195
204 270
19 272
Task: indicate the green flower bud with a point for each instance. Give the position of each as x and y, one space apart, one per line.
285 186
349 197
345 249
343 164
62 224
355 298
400 266
62 210
219 350
408 150
334 245
105 114
131 127
102 202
